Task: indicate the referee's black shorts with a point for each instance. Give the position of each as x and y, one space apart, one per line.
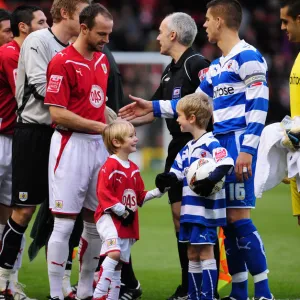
30 156
176 144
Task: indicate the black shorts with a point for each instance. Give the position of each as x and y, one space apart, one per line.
176 144
30 156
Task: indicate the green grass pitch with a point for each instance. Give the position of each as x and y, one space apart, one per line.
155 255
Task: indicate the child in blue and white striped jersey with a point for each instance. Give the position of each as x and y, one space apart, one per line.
201 213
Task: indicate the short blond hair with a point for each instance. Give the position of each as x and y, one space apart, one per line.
69 5
198 105
117 130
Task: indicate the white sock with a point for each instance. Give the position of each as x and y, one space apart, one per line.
107 271
4 277
58 251
2 226
115 286
18 262
67 289
90 246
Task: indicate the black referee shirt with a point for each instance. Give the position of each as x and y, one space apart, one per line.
178 80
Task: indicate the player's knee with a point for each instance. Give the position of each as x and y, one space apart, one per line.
115 255
23 215
62 229
192 253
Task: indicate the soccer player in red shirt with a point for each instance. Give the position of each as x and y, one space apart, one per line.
120 191
76 93
24 20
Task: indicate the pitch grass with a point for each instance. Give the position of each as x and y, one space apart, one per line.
155 255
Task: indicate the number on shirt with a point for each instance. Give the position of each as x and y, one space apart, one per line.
237 191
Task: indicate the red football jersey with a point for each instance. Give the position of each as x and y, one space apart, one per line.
9 56
118 184
78 84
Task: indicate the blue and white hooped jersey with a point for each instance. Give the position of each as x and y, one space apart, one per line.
238 86
209 211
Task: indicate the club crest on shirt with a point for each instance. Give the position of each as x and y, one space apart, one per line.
176 93
54 83
96 96
59 204
104 68
110 243
129 199
202 73
23 196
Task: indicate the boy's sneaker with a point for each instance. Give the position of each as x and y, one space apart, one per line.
19 293
130 294
179 294
264 298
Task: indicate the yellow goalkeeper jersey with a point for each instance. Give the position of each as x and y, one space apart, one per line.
295 111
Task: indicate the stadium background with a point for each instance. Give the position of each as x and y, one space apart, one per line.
135 29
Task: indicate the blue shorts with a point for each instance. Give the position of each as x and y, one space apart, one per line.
238 194
196 234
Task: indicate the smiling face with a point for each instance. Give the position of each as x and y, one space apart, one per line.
130 141
211 26
290 25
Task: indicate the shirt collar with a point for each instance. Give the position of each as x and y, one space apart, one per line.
234 51
188 52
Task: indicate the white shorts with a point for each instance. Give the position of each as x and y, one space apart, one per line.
5 169
110 240
74 164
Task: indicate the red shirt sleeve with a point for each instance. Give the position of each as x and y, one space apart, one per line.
59 84
106 191
140 189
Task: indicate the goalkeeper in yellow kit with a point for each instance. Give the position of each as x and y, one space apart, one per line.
290 23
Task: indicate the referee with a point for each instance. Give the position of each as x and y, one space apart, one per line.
177 33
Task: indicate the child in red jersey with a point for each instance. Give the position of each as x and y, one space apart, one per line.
120 191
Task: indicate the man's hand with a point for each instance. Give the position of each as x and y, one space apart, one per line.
165 180
243 169
140 107
128 217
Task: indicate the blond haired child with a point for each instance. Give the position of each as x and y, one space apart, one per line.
120 191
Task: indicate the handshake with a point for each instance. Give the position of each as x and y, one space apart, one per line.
164 181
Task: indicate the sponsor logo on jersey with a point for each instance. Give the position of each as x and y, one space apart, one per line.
202 74
129 199
23 196
223 91
176 93
202 162
96 96
219 154
59 204
54 83
104 68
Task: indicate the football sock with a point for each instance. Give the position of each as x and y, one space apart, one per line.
18 262
195 280
209 279
115 286
127 275
58 249
11 243
184 263
251 246
67 289
107 271
236 265
90 246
